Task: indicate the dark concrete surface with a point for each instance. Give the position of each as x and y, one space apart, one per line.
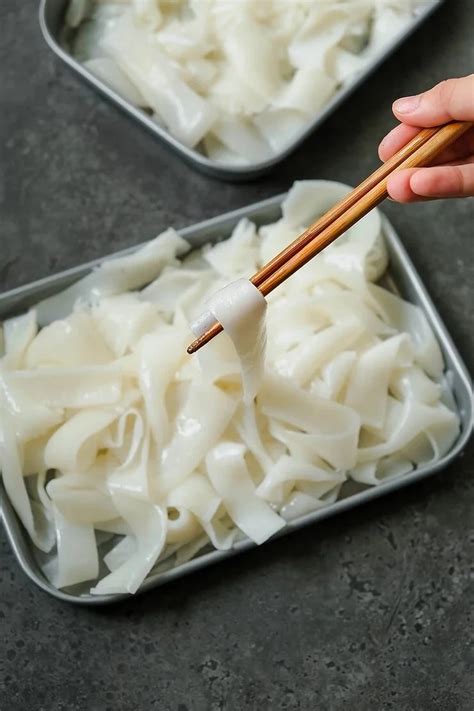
372 610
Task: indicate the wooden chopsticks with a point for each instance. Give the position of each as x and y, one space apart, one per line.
418 152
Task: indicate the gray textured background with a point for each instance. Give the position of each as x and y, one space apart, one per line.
368 611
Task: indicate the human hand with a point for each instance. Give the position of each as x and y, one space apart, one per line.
452 173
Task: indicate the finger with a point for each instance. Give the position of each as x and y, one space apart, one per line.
458 151
444 181
396 139
401 134
398 186
430 183
451 100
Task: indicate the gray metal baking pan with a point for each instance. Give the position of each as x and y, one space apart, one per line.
401 278
51 16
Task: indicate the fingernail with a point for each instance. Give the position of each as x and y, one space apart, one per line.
407 105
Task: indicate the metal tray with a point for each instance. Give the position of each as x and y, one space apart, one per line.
51 20
402 278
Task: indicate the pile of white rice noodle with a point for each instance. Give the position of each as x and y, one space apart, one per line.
121 453
239 79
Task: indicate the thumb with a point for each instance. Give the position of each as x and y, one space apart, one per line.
451 100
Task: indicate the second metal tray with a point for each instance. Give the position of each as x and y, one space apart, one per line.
51 21
402 278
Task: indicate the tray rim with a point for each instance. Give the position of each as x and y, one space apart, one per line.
199 160
18 538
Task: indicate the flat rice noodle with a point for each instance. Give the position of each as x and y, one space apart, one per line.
174 287
147 13
11 469
199 426
18 333
182 526
233 97
335 374
375 473
342 306
120 553
291 320
82 505
240 308
196 495
40 495
87 42
33 455
299 445
280 127
414 383
43 515
220 153
188 38
124 437
134 270
199 73
230 478
323 29
237 256
30 418
134 475
248 48
334 428
108 72
327 491
67 387
116 526
74 446
440 425
406 317
218 361
344 66
242 138
221 536
299 504
84 498
147 522
360 250
123 320
247 426
78 558
72 342
159 357
187 116
276 237
303 362
307 92
356 38
308 199
115 275
77 11
388 22
287 472
367 390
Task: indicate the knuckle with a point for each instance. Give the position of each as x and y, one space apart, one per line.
444 93
457 177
